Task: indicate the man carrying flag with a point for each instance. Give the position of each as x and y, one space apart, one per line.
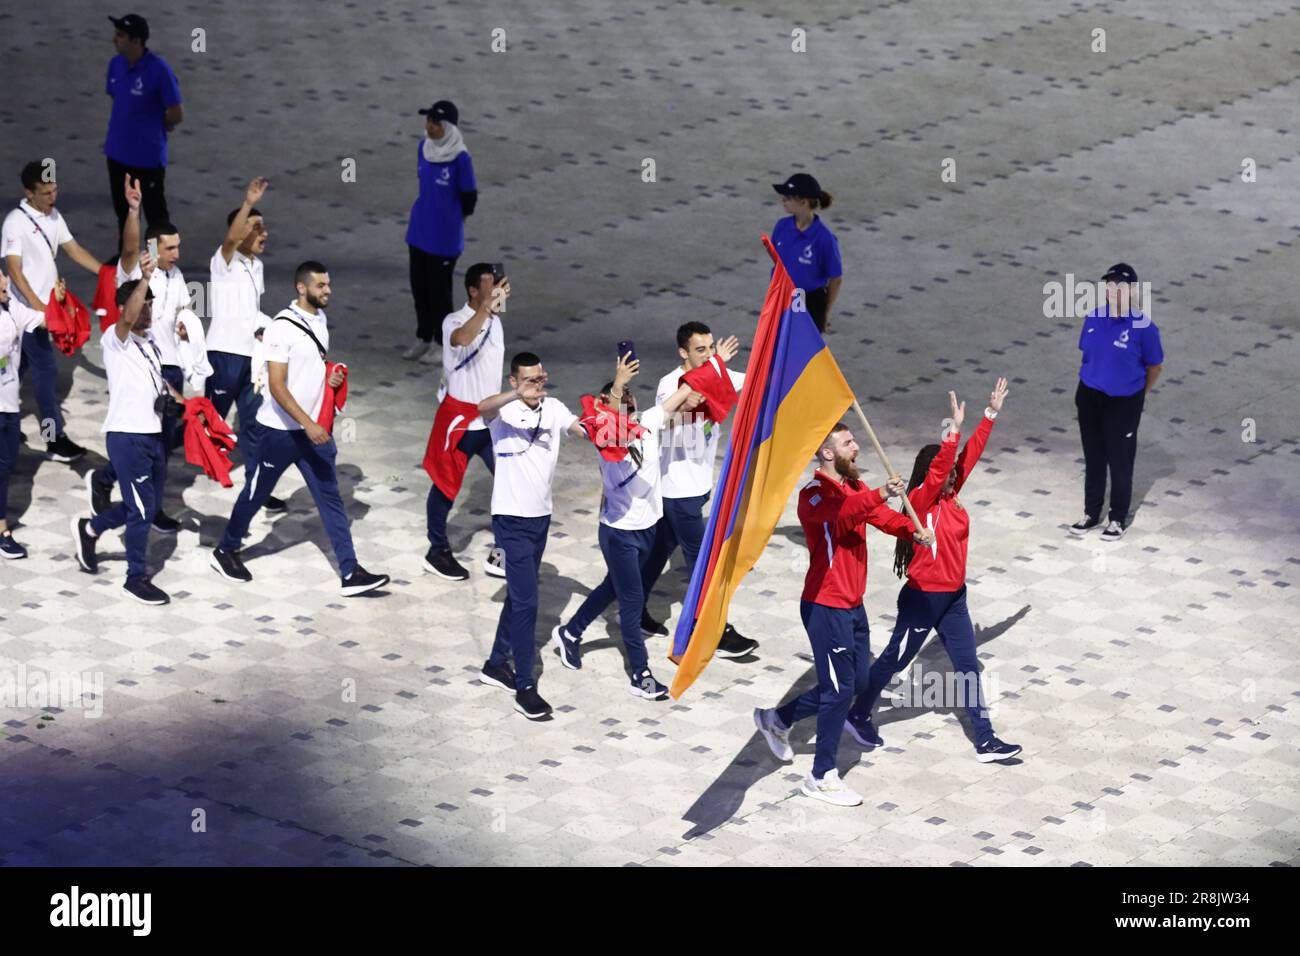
834 510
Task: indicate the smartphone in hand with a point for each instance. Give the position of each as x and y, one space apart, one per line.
627 348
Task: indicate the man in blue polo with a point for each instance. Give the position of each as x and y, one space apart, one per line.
146 107
1122 357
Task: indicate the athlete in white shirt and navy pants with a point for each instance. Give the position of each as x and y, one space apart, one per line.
296 342
526 426
235 304
630 508
687 461
473 357
170 309
133 434
30 240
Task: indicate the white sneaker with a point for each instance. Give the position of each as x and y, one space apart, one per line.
1114 531
777 737
831 789
495 563
433 355
418 348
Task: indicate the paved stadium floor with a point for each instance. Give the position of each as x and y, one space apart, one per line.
1153 684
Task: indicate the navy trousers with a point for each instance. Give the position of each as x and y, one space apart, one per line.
277 450
173 432
38 358
231 383
141 465
918 612
682 523
841 646
438 505
627 554
9 443
524 541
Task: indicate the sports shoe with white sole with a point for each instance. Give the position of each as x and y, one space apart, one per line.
495 563
361 581
84 545
529 703
831 789
646 687
1114 531
777 737
145 591
993 750
570 648
1084 525
495 676
863 731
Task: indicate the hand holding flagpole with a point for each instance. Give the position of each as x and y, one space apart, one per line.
884 460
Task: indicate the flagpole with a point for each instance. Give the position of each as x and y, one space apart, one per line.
889 469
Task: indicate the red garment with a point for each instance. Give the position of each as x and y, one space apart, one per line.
104 304
609 431
334 399
443 459
712 381
833 518
942 566
69 323
208 445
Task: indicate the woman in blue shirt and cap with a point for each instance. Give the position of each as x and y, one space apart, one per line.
1122 357
807 248
436 235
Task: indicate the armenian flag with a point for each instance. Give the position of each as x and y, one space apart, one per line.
794 393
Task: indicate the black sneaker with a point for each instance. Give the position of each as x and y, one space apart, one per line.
495 676
360 581
650 627
99 495
529 703
144 591
570 648
274 505
63 449
1084 525
863 731
445 565
229 566
735 644
645 686
994 749
165 524
1114 531
84 545
9 548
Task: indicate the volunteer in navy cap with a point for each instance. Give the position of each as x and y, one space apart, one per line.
808 249
146 107
1122 358
436 234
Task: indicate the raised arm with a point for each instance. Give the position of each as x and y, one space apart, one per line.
970 454
131 228
239 225
926 494
133 305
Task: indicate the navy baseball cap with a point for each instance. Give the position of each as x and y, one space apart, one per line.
443 110
1120 272
133 25
800 185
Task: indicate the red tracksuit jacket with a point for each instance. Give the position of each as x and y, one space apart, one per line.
834 519
942 566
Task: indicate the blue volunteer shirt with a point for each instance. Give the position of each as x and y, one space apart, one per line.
811 256
1117 351
141 93
437 221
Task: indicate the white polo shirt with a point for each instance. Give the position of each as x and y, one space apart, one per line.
689 450
526 444
36 238
169 297
135 381
11 354
631 499
282 342
474 371
234 302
